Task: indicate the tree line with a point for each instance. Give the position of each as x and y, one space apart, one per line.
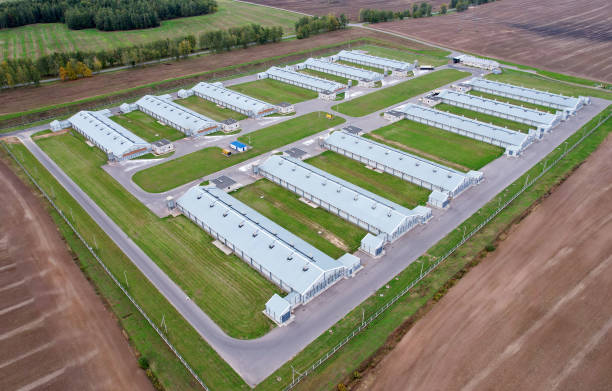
462 5
106 15
376 16
311 25
69 66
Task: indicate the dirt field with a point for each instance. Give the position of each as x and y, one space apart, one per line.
55 333
565 36
347 7
22 99
534 315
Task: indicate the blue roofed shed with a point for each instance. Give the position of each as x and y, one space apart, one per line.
238 146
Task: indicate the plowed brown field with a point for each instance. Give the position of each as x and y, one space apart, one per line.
534 315
565 36
55 333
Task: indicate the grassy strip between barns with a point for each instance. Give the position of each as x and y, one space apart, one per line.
213 280
163 364
487 118
328 76
385 185
274 91
390 96
184 169
451 149
147 127
209 109
512 101
326 231
344 364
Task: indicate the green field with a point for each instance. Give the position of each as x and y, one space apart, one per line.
147 127
450 149
166 367
327 76
385 185
490 119
209 109
513 101
336 237
274 91
173 173
404 55
390 96
35 40
182 250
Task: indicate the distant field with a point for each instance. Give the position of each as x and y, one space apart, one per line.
209 109
147 127
484 117
383 184
35 40
390 96
274 91
336 237
184 169
450 149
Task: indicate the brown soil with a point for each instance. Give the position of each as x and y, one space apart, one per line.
55 333
566 36
534 315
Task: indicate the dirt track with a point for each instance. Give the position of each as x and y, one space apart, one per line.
566 36
55 333
534 315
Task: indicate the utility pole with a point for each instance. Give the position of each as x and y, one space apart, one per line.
126 281
421 274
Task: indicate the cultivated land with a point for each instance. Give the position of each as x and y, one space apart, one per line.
488 118
180 248
562 36
147 127
453 150
168 175
553 274
390 96
326 231
209 109
35 40
274 91
383 184
56 333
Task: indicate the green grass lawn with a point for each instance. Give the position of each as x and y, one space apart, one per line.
147 127
404 55
453 150
337 236
327 76
368 68
209 109
49 37
166 367
173 173
383 184
512 101
390 96
182 250
488 118
274 91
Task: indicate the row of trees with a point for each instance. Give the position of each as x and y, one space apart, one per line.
377 16
107 15
223 40
462 5
311 25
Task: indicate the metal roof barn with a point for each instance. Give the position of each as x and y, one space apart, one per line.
280 256
514 142
360 58
477 62
236 101
177 116
361 207
556 101
414 169
342 70
115 140
542 120
289 76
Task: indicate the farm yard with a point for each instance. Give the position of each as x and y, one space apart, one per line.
274 91
209 109
560 36
147 127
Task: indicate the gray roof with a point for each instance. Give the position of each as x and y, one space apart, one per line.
298 264
306 81
232 98
377 211
229 121
161 143
477 61
459 99
395 113
176 114
284 104
107 134
417 167
374 61
342 70
352 129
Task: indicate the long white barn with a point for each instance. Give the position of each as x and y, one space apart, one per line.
358 57
233 100
327 89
